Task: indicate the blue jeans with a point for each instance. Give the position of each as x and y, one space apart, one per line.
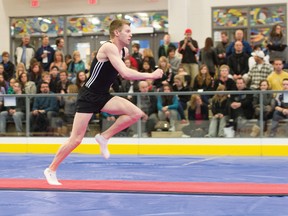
17 118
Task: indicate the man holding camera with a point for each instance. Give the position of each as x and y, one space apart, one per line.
189 48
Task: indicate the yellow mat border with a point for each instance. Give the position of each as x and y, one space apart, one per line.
154 149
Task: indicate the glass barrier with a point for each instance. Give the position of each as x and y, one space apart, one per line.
207 114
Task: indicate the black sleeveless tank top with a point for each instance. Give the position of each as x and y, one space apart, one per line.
102 76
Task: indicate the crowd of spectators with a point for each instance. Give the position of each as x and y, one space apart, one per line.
228 66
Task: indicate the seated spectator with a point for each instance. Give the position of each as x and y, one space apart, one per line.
239 37
10 88
9 67
54 78
20 68
43 110
224 79
69 103
16 113
238 61
4 83
281 109
198 118
63 83
167 107
179 86
261 70
28 87
220 113
268 107
75 66
146 67
36 73
277 43
81 79
59 61
68 60
148 104
168 76
187 77
148 56
203 82
173 60
46 78
241 107
137 55
277 76
251 60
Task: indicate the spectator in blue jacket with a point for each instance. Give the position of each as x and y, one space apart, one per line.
44 109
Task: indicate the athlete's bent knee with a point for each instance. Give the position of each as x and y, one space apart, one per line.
138 114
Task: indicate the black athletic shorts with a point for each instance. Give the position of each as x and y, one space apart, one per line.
88 102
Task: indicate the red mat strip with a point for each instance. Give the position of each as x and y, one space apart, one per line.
212 188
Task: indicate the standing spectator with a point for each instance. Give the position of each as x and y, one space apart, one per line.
25 52
45 54
9 67
239 36
76 66
281 109
220 114
208 56
277 76
189 48
276 44
167 107
173 60
198 118
258 72
238 61
60 45
59 61
163 49
137 55
16 112
221 48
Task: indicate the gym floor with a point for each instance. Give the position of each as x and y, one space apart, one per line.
260 170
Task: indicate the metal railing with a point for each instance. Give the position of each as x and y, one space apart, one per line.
30 97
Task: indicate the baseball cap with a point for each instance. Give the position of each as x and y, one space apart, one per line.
258 53
188 31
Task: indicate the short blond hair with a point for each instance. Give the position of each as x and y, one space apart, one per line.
117 24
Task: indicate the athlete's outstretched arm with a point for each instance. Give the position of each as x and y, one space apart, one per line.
112 53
